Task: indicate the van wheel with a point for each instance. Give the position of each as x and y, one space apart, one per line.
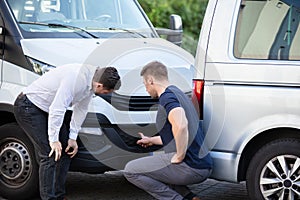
274 171
18 166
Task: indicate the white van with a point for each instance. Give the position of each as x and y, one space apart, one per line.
37 35
248 89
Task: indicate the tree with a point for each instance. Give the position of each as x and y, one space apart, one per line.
191 11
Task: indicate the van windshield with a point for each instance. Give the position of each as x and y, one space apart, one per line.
81 18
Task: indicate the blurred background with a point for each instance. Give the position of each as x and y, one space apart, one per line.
191 12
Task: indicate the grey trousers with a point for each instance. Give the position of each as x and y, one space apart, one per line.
162 179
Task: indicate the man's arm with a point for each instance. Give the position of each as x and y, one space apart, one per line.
146 141
57 110
79 113
179 124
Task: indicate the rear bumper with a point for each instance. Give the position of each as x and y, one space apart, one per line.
225 166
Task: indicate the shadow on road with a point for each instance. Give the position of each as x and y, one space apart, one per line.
113 186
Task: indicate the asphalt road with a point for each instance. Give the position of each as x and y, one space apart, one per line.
113 186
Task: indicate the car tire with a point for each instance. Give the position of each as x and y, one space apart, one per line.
274 171
19 176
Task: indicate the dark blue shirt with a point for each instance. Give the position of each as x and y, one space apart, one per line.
197 156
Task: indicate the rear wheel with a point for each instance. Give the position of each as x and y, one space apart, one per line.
274 171
18 166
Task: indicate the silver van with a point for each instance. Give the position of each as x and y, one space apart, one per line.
37 35
248 91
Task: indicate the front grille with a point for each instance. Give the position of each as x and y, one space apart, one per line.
131 103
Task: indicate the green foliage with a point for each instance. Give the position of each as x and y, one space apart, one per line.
191 11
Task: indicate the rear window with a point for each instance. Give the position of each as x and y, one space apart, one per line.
268 29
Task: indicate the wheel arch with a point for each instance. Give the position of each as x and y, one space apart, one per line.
6 114
259 141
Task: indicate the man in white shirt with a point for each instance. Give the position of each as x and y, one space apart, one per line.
40 111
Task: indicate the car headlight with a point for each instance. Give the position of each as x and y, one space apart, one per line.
39 67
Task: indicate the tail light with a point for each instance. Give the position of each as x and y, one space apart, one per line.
197 97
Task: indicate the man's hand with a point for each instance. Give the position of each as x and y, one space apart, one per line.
55 147
145 141
72 148
176 159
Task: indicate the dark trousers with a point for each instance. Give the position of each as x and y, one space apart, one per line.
52 175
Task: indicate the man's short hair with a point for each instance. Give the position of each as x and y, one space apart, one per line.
155 69
108 76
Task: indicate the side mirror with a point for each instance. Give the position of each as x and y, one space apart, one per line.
175 22
174 33
176 25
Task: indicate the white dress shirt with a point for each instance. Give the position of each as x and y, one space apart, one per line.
59 88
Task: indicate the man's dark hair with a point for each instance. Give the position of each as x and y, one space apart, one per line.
109 77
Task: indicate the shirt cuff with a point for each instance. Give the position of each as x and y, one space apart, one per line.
53 138
73 135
